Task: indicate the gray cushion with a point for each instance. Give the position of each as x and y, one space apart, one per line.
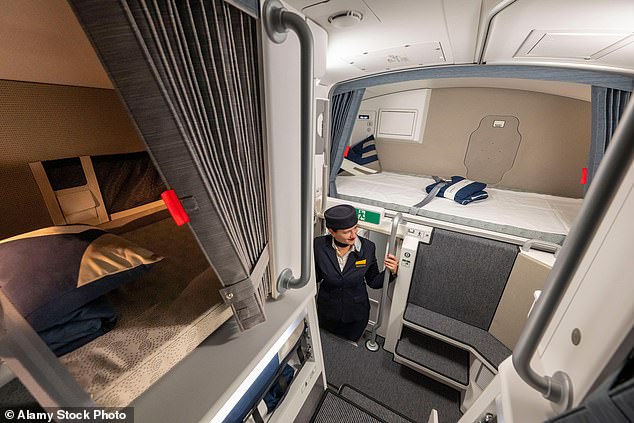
482 341
462 276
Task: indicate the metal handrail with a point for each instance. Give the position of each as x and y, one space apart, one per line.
613 168
277 21
371 343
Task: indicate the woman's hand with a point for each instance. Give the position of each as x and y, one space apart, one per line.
391 263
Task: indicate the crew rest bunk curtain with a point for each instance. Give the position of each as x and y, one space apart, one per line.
188 73
608 105
345 106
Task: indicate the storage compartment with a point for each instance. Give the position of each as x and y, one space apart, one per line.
396 123
399 117
275 382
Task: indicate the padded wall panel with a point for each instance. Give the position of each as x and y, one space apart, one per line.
127 180
461 276
46 122
492 148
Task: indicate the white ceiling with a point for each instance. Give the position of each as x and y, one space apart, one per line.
544 32
567 30
388 26
42 41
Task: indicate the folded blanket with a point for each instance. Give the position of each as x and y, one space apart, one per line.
80 326
460 190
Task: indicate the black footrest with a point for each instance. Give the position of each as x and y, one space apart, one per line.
434 354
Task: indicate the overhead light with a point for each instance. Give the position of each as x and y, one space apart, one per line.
345 19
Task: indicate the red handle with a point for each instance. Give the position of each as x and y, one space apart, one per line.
175 207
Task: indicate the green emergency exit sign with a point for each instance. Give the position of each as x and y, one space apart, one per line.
368 216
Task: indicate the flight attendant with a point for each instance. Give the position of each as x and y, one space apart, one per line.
344 263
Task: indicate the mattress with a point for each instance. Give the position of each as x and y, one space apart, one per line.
163 316
524 214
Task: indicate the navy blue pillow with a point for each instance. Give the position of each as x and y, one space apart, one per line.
461 190
364 152
51 272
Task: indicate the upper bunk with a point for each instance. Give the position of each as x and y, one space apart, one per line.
497 94
526 149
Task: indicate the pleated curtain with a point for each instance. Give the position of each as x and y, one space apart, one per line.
344 109
188 74
608 104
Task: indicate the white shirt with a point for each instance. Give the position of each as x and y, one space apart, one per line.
343 259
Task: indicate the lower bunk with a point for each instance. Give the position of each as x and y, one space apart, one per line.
160 307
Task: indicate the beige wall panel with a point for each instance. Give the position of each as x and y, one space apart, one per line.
527 276
42 41
45 122
555 138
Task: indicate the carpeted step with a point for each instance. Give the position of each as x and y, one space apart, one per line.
434 354
336 409
372 405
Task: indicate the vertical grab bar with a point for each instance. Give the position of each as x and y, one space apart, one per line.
277 20
614 166
371 343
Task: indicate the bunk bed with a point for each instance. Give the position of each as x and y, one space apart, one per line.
162 313
166 305
523 214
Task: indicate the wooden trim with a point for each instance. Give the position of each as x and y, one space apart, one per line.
93 185
158 204
118 220
50 199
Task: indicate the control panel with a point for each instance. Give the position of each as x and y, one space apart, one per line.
423 233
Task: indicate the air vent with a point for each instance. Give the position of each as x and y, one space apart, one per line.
345 19
409 55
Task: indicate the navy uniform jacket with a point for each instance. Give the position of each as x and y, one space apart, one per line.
342 295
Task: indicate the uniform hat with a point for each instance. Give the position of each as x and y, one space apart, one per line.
342 216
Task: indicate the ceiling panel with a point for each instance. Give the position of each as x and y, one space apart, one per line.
576 33
409 55
569 44
387 27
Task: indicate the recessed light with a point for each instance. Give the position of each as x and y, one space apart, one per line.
345 19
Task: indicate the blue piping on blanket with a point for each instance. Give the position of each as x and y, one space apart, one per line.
461 190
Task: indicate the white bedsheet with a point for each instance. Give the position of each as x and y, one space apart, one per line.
538 212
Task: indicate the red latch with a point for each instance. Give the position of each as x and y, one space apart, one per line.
345 153
175 207
584 176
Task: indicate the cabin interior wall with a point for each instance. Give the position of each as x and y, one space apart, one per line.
555 131
45 122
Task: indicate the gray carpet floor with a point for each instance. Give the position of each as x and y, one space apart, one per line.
335 409
396 386
369 404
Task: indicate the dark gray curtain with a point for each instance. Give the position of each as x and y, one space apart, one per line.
344 109
252 7
188 74
608 105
